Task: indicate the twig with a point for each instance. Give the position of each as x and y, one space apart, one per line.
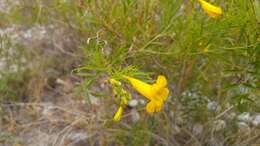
224 112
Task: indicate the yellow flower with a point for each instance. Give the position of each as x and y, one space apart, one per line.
157 93
125 96
210 9
118 114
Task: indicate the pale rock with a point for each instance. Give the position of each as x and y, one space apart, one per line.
213 106
244 117
256 120
60 81
142 102
133 103
135 115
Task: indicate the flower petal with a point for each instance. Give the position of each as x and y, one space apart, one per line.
161 81
141 87
164 94
150 107
158 106
154 106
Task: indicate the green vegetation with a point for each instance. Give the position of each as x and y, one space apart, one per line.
212 65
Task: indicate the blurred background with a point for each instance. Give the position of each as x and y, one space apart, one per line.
57 55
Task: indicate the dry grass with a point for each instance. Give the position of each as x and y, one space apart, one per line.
55 58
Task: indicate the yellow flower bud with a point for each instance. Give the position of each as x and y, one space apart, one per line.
118 114
115 82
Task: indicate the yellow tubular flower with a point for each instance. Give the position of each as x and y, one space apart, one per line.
210 9
141 87
118 114
157 93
